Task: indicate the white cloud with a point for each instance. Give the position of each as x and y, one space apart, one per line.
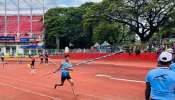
38 5
75 2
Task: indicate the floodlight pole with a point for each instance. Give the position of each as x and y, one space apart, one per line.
43 11
5 21
43 31
18 31
31 22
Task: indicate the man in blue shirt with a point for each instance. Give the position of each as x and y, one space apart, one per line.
172 66
160 82
65 69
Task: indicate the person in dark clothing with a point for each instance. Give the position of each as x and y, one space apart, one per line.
46 58
2 57
32 64
137 51
41 58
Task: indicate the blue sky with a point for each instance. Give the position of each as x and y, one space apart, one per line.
37 5
68 3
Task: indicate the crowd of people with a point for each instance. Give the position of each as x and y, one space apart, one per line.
137 49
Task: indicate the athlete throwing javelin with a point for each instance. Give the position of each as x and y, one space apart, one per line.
65 69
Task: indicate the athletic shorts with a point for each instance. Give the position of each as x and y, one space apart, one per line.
33 63
2 58
65 77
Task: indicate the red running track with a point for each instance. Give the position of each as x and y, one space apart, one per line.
122 56
103 80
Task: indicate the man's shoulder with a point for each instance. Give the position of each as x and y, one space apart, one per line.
172 65
172 72
159 71
155 71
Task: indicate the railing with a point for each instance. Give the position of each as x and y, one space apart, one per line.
61 51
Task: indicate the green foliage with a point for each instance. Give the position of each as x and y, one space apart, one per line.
144 17
81 27
169 26
100 28
65 24
107 32
115 21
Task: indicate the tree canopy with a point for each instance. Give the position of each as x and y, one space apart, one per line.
114 21
145 17
63 24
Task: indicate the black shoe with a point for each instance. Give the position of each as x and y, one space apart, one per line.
55 86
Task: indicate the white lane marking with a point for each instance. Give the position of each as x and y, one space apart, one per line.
80 92
127 80
118 79
29 91
102 75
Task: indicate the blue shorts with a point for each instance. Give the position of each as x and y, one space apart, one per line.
65 77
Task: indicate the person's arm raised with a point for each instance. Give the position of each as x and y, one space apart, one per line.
58 69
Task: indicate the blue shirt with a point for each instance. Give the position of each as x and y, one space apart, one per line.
162 81
172 67
65 65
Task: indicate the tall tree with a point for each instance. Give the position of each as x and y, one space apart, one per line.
145 17
114 33
100 28
63 24
169 26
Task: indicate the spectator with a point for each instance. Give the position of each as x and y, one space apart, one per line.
159 51
130 51
137 51
46 58
41 58
172 66
160 82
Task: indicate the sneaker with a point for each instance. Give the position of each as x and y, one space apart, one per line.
55 86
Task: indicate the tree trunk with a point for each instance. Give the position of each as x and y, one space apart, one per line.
146 38
58 42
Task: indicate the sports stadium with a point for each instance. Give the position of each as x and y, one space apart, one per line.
87 49
21 29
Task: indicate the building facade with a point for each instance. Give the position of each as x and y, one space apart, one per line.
21 34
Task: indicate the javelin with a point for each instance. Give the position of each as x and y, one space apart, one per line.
88 61
95 59
52 61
